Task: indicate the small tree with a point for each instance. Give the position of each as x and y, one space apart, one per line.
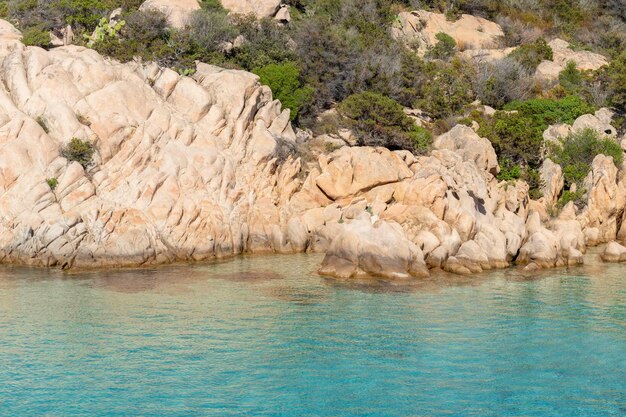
80 151
570 78
380 121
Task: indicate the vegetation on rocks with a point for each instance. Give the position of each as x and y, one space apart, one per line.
380 121
576 152
342 55
78 150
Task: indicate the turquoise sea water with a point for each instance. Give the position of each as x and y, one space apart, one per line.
267 336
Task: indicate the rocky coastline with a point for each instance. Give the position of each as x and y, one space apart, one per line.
205 167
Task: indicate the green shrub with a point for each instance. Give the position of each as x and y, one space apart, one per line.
212 5
570 78
80 151
517 133
530 55
52 183
568 196
576 152
378 120
446 88
36 36
422 138
444 48
284 81
613 77
509 171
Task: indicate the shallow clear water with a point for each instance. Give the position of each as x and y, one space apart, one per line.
266 336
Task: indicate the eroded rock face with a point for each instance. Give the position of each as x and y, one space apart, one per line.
184 168
203 167
419 28
177 12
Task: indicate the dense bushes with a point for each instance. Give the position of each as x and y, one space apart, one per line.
575 153
284 81
530 55
517 132
444 48
380 121
501 82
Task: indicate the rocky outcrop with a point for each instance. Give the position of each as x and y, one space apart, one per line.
548 71
177 12
185 168
419 28
194 168
464 140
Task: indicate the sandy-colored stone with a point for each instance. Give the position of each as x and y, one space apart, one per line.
419 29
177 12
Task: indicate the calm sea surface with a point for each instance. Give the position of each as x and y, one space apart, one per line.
267 336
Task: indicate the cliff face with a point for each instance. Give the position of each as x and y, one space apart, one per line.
192 168
186 168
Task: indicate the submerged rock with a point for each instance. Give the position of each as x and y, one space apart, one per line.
614 252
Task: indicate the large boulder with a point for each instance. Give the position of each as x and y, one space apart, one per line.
259 8
606 197
176 11
366 246
562 53
552 181
419 28
614 252
464 140
350 171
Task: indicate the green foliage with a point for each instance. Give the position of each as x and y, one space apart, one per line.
212 5
568 196
52 183
422 138
570 78
380 121
549 111
509 171
104 31
576 152
447 88
530 55
83 14
614 77
444 48
517 133
36 36
81 151
284 81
